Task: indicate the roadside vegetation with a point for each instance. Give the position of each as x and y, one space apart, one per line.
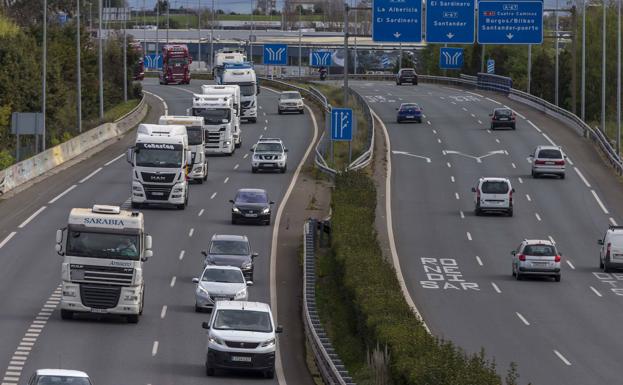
364 312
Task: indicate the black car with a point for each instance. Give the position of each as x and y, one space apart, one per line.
251 205
231 250
502 117
406 75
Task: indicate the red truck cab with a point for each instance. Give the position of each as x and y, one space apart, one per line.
175 64
139 66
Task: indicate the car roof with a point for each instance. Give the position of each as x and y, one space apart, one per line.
548 147
223 267
242 305
615 228
409 104
227 237
493 179
270 140
407 69
251 190
538 242
61 372
502 109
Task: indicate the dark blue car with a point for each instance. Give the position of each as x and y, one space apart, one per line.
409 112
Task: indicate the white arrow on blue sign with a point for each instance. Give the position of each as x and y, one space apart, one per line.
397 21
510 22
490 66
320 58
341 124
450 21
153 61
276 54
451 58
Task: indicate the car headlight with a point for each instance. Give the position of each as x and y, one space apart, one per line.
268 343
202 290
235 209
215 340
130 298
227 142
256 157
247 265
178 188
241 294
137 188
266 210
69 293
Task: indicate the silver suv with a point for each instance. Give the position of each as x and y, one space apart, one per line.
269 154
290 101
493 194
536 257
611 249
548 160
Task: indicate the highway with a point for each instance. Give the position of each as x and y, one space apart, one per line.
457 267
167 346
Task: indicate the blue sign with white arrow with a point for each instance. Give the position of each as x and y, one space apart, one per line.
276 54
510 22
341 124
320 58
491 66
153 61
451 58
450 21
397 21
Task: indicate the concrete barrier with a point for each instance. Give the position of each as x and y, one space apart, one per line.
28 169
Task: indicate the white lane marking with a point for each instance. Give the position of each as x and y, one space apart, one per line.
473 93
516 113
30 218
523 319
213 195
266 121
496 288
163 312
191 232
497 140
513 164
528 198
245 156
428 122
469 236
7 239
520 180
452 179
453 103
473 115
236 166
434 131
529 160
577 171
494 101
534 125
480 122
456 195
182 254
548 139
438 140
595 291
90 175
166 107
570 264
488 131
569 160
448 164
154 349
562 358
261 107
599 202
538 217
200 212
551 239
173 281
462 214
113 160
614 223
479 261
464 109
265 128
59 196
226 180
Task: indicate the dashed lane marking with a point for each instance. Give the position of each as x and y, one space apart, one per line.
464 109
462 214
213 195
452 179
598 294
551 239
154 349
245 156
496 288
599 202
226 180
494 101
523 319
31 217
59 196
438 140
7 239
520 180
538 217
513 164
562 358
479 261
236 166
528 198
182 254
548 139
534 125
173 281
480 122
614 223
577 171
449 165
469 236
163 312
90 175
570 264
113 160
456 195
200 212
191 232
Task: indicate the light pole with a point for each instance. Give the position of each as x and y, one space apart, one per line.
125 56
199 32
346 9
300 36
100 69
603 71
557 54
212 40
78 74
356 33
168 8
529 67
618 142
43 73
583 87
144 31
157 25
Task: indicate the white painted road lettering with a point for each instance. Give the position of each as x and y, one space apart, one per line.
444 273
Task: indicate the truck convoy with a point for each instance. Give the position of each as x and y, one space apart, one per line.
175 64
160 160
102 269
243 75
226 55
219 121
194 129
233 92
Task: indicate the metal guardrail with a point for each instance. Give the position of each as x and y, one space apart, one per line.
364 159
332 370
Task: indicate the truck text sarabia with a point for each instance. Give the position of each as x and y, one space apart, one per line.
219 119
175 64
102 270
194 128
243 75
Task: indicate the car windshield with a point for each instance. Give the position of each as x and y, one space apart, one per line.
229 247
503 112
195 135
550 154
244 320
159 157
222 276
213 115
62 380
290 95
268 147
539 250
103 245
494 187
251 197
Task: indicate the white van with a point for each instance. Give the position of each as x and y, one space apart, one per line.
493 194
611 249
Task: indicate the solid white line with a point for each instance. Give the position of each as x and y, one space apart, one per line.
452 179
456 195
595 291
390 229
577 171
570 264
603 208
154 349
30 218
236 166
562 358
513 164
494 101
90 175
448 164
7 239
191 232
614 223
534 125
172 281
462 214
473 93
113 160
213 195
516 113
182 254
163 312
59 196
523 319
520 180
469 236
166 108
200 212
479 261
538 217
496 288
548 139
551 239
226 180
569 160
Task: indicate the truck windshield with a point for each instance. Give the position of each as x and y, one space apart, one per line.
103 245
243 320
195 135
158 158
246 89
213 116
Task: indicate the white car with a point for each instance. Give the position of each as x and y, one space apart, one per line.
219 283
59 377
290 101
269 154
536 257
493 194
611 250
548 160
241 335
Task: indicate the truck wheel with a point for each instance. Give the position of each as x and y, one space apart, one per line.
279 112
254 170
269 373
132 318
67 314
209 371
200 180
253 120
283 169
136 205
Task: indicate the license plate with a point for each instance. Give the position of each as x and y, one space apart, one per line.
250 215
268 165
410 117
241 359
157 193
221 298
550 162
98 310
503 118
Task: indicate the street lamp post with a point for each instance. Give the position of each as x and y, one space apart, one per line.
212 40
100 68
603 71
78 74
300 37
557 54
199 32
43 73
168 8
618 141
346 9
583 87
125 56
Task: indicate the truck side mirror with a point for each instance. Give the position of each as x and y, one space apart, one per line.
205 325
254 255
146 255
189 157
148 242
600 242
195 280
129 154
204 253
59 236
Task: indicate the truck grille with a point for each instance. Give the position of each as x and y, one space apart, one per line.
269 157
100 296
213 139
157 178
246 104
157 192
243 345
102 274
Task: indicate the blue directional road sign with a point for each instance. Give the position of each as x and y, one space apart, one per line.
341 124
397 21
276 54
490 66
510 22
320 58
153 61
451 58
450 21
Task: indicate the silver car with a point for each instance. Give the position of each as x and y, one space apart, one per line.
536 257
548 160
290 101
219 283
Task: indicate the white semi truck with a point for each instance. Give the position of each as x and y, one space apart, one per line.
103 255
226 55
219 121
160 158
232 91
196 143
243 75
